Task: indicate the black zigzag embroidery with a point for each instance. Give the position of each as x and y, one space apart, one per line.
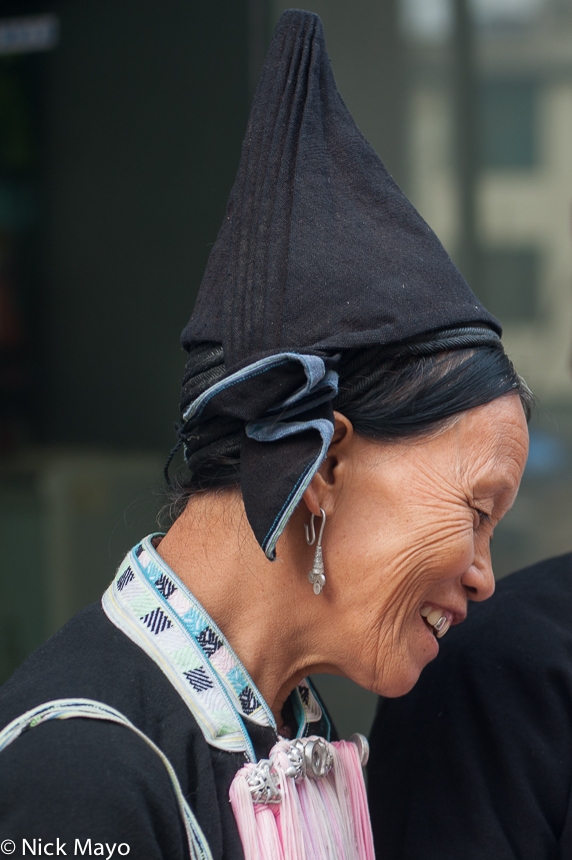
165 586
139 550
304 694
156 621
248 701
125 577
209 641
198 679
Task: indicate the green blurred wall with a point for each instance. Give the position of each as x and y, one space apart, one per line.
145 106
369 63
139 117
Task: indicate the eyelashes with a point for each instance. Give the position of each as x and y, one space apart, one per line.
482 518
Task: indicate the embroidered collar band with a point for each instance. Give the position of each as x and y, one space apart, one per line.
150 604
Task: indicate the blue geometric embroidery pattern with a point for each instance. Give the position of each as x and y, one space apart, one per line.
156 621
125 577
209 641
205 634
218 692
248 701
199 679
165 587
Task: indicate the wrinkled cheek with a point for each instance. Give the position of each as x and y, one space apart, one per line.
455 555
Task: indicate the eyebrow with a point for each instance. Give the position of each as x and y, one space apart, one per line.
499 488
485 490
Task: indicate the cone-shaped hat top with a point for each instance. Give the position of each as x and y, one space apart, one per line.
319 251
319 247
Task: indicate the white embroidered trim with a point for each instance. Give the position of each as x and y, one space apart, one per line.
149 603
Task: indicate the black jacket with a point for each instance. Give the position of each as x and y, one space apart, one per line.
84 779
476 762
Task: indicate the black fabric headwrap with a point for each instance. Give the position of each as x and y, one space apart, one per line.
319 252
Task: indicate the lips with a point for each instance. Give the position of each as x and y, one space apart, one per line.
440 620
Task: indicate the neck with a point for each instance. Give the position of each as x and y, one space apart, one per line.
266 610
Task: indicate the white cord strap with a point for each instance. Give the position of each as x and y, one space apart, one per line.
66 709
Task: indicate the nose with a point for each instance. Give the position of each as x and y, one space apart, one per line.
478 579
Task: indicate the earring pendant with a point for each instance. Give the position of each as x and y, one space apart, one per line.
316 575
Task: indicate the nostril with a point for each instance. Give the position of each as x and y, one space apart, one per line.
478 580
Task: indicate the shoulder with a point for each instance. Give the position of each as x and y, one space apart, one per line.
74 661
84 777
91 658
90 765
89 779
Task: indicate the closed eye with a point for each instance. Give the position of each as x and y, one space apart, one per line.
482 516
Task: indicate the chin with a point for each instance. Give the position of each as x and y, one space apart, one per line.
403 681
400 686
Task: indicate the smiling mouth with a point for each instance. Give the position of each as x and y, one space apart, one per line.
436 620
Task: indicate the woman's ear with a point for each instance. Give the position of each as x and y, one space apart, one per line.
326 482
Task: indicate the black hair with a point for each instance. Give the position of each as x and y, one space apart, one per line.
401 391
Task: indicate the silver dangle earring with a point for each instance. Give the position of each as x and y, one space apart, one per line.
316 575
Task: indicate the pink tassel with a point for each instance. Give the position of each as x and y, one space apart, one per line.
268 835
338 810
290 818
358 798
320 842
243 808
314 819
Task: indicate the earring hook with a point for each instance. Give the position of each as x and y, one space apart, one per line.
311 532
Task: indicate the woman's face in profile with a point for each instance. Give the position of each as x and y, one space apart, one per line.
408 541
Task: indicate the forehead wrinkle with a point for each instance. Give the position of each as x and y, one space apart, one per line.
498 469
495 464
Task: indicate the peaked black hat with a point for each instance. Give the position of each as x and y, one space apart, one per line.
320 251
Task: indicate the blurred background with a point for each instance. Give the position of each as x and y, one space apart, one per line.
121 124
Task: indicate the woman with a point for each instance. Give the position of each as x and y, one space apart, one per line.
353 431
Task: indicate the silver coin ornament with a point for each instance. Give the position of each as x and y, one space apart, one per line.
318 757
362 745
310 757
263 783
297 768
